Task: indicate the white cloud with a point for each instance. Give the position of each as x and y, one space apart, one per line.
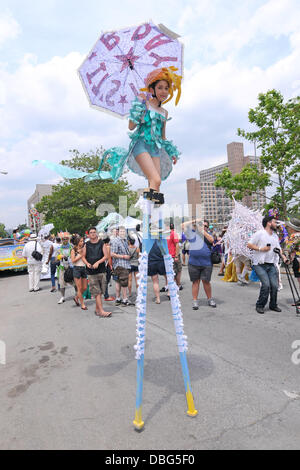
9 27
44 111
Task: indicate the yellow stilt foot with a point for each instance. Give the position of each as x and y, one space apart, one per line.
138 422
190 402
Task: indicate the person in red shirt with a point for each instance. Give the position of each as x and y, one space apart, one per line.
174 250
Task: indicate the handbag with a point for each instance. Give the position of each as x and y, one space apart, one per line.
68 275
36 254
215 257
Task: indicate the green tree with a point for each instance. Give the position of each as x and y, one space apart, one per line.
277 134
73 204
248 181
22 227
3 233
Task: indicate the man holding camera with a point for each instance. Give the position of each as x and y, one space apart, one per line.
200 264
263 244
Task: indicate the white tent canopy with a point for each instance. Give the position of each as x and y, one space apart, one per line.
114 220
131 222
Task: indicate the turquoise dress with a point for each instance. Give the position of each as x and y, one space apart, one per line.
147 136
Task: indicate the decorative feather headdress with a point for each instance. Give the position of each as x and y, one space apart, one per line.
165 73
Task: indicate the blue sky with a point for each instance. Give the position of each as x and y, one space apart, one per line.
233 51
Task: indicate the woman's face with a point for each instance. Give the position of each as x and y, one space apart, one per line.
81 243
161 90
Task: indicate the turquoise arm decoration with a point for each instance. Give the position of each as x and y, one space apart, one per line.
171 149
137 111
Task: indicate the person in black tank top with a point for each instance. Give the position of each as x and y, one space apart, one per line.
94 256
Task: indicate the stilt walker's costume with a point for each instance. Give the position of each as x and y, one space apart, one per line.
147 137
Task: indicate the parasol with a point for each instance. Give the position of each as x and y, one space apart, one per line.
116 67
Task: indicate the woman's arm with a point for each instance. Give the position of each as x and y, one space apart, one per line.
75 257
131 125
136 112
50 254
163 132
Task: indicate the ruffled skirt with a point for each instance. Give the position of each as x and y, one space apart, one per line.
141 146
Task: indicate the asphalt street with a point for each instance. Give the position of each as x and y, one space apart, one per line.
69 379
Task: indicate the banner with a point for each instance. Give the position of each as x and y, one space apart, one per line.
11 257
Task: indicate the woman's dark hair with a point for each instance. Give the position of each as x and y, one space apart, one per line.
172 226
138 227
131 240
106 240
58 239
75 240
153 85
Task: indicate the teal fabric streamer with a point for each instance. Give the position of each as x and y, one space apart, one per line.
64 171
149 128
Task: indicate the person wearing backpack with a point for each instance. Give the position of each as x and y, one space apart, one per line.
134 253
34 265
137 236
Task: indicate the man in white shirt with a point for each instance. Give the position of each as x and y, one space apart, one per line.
263 243
34 266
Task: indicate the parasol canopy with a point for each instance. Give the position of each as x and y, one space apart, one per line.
116 67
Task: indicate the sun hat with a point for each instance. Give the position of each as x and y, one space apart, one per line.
294 223
33 236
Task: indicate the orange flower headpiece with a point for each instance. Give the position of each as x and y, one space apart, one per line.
165 73
64 235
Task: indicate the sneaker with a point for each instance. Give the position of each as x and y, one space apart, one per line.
118 302
125 302
108 299
195 305
180 287
260 310
61 300
211 303
163 289
30 290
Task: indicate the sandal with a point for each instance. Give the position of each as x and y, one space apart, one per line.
104 315
84 308
76 302
157 301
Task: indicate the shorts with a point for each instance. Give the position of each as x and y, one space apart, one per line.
134 269
79 272
202 273
97 283
177 266
185 252
156 267
141 147
121 276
